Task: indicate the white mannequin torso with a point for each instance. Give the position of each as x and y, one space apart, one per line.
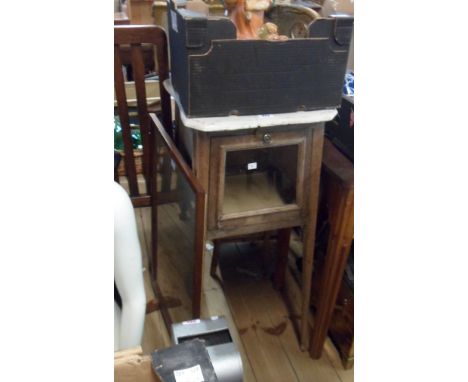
128 274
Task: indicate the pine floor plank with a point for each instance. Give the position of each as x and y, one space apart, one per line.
322 369
214 304
170 276
260 323
155 335
331 353
263 349
256 348
256 305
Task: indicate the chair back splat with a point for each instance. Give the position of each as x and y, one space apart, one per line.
131 46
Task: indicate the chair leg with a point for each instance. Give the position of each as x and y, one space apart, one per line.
166 174
153 262
282 262
267 252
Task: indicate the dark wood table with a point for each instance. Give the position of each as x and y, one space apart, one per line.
338 191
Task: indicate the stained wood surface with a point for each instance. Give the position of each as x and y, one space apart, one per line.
338 185
261 325
309 231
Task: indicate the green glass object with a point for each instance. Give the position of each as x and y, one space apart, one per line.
118 139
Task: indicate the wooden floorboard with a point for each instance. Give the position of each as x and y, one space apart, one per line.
322 369
263 350
155 335
261 325
265 324
214 304
331 353
171 271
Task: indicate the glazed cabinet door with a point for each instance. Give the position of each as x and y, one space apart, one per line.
257 178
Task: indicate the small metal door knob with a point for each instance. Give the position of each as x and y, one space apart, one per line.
267 138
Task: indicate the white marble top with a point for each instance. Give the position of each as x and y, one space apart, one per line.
234 122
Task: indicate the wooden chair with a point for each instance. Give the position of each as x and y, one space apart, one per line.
160 155
132 37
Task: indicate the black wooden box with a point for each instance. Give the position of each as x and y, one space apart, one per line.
217 75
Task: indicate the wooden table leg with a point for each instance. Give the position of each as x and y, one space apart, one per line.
309 230
282 261
341 213
215 258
